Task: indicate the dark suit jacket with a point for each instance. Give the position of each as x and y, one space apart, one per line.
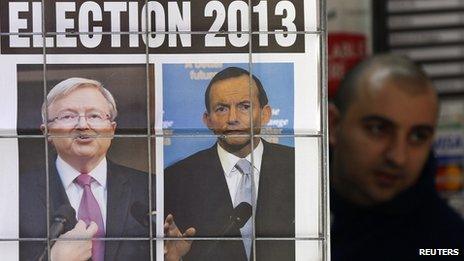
124 185
196 193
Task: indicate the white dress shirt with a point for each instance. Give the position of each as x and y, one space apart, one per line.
75 192
233 175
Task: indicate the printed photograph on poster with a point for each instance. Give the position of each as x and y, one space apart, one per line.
184 87
82 112
156 58
210 179
126 82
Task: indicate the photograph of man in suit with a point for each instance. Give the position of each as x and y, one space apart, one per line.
202 190
79 118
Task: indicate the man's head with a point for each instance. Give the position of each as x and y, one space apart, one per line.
79 114
382 124
229 99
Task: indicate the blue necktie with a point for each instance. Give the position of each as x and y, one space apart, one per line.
245 193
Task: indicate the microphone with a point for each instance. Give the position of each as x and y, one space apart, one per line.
239 217
139 213
63 220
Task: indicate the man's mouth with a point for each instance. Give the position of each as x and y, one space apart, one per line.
387 179
84 137
236 132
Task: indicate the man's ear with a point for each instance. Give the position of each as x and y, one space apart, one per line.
334 121
113 126
266 113
42 128
206 120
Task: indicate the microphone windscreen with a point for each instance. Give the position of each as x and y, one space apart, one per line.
68 214
242 212
139 212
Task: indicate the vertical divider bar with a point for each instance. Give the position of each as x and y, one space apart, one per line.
252 132
149 155
47 167
325 203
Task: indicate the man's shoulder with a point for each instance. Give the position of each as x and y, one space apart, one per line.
445 222
127 173
278 153
195 160
278 147
124 169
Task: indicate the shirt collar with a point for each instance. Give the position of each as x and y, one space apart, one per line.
68 173
228 160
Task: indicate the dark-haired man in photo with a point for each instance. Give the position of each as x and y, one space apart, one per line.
203 189
383 202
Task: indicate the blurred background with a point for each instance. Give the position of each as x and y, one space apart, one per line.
430 32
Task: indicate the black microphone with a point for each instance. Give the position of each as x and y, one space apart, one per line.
63 221
239 217
139 212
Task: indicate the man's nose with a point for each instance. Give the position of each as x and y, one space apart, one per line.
82 122
232 116
397 151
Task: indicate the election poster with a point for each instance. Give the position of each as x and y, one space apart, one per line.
163 130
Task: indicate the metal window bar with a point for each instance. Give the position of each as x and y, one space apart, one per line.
324 213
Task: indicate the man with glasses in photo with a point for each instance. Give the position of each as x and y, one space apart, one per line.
79 121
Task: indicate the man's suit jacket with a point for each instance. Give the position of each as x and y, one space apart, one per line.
124 187
196 193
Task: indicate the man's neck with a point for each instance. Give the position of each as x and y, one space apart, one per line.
83 165
244 151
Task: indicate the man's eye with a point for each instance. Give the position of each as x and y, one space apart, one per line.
94 116
221 109
376 129
419 136
67 117
244 106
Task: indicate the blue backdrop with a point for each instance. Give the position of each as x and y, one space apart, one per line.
184 86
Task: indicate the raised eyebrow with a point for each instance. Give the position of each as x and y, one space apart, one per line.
221 104
244 103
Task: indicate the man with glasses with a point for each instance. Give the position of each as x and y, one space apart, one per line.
79 119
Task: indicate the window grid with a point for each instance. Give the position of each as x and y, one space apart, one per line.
151 134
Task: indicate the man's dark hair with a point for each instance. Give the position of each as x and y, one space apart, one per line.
232 72
396 68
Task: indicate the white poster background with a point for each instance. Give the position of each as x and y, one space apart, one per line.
307 120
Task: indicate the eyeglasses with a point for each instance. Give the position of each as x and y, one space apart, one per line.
95 119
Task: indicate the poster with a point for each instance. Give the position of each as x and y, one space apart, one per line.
350 37
138 109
